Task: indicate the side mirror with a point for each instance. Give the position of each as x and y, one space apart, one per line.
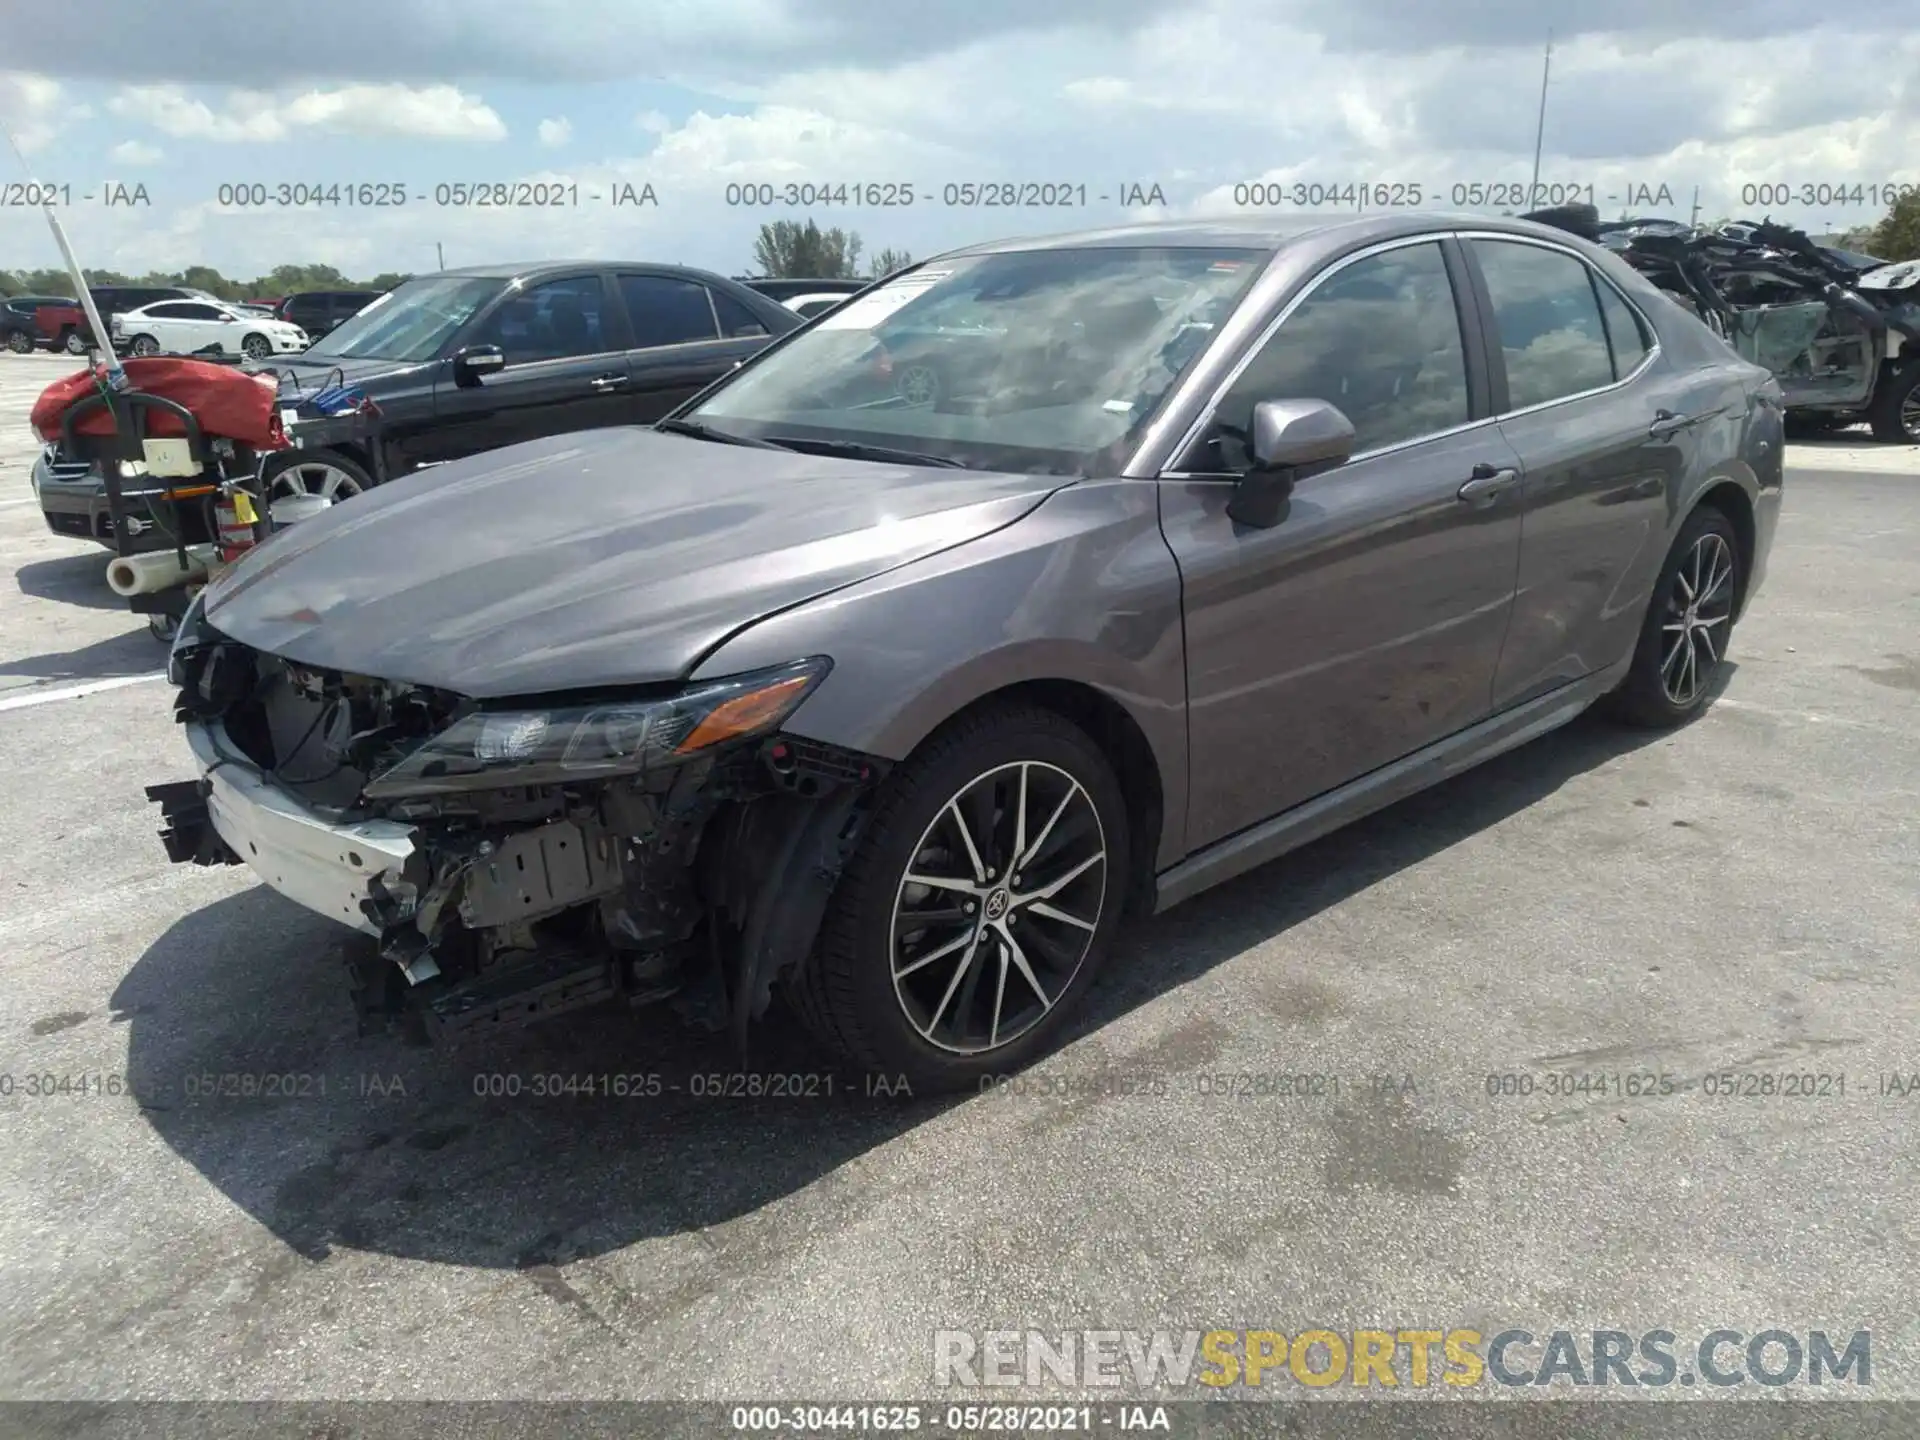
1288 441
474 363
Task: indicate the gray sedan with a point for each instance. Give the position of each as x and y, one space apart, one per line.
892 698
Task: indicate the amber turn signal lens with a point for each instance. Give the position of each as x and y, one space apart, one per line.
744 714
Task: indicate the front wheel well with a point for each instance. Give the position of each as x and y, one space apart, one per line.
1731 501
1107 723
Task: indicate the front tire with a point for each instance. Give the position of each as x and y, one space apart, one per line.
257 347
316 472
144 345
979 906
1683 642
73 342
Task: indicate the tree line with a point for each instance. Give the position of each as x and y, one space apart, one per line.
282 280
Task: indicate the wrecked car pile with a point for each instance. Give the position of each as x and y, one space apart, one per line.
1843 341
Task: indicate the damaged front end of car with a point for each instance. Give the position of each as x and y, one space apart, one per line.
510 861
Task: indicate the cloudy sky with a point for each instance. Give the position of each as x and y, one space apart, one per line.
1204 100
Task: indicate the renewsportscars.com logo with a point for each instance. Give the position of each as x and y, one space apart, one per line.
1411 1358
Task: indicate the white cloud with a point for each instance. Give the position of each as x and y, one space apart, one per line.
1162 95
136 152
36 108
432 112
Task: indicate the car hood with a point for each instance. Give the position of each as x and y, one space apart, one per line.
604 558
307 374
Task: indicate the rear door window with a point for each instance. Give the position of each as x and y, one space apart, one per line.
736 321
1551 333
666 310
1626 331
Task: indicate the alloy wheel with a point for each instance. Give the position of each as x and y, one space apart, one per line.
998 907
76 343
19 342
146 345
315 477
1910 414
1699 615
256 347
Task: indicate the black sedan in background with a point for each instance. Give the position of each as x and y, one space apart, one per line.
465 360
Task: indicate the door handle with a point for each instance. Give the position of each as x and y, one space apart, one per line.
1488 484
1666 424
604 383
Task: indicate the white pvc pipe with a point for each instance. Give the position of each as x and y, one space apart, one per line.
145 574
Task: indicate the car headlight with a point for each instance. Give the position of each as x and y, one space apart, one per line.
555 745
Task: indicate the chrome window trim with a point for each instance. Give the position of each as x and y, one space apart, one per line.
1205 413
1653 349
1230 478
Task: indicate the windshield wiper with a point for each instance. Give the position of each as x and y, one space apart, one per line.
700 430
858 450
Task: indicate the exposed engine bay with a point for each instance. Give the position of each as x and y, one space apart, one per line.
639 862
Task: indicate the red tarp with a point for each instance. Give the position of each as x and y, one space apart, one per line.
227 402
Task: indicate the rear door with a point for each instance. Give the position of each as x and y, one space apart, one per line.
1605 431
564 342
685 336
1367 623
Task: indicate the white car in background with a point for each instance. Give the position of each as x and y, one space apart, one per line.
808 306
194 327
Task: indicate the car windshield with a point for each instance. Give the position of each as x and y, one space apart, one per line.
1046 361
410 323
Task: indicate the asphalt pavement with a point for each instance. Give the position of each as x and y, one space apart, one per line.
235 1196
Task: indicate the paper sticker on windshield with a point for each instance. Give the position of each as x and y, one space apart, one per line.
869 310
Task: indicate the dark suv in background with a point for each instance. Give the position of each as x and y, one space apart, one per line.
319 311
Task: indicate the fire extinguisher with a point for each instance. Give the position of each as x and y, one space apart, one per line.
234 519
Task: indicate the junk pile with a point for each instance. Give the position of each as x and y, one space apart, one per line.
1840 331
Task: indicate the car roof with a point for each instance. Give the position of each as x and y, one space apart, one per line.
1266 232
527 270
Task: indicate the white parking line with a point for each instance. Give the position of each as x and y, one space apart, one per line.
74 692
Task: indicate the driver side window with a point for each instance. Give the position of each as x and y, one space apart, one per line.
554 321
1379 339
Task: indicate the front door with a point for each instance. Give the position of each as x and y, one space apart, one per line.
1368 622
566 370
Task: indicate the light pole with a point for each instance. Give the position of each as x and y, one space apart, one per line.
1540 125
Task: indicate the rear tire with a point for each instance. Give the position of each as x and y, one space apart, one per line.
19 342
920 981
73 342
1895 412
1689 623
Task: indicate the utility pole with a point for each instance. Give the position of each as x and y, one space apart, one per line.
1693 220
440 254
1540 126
